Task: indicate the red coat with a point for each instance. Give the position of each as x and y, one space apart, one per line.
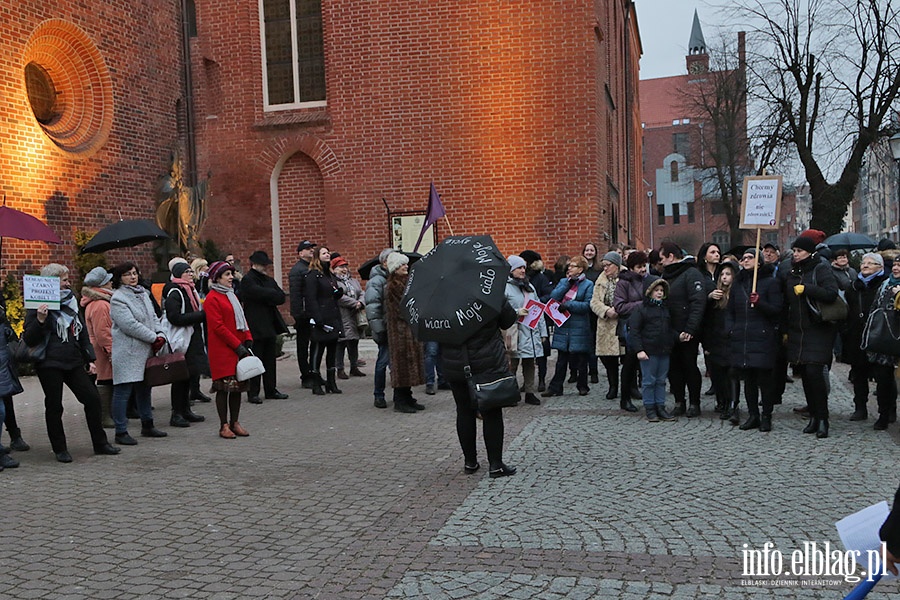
223 336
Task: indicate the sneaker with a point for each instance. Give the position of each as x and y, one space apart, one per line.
380 403
8 462
429 389
19 445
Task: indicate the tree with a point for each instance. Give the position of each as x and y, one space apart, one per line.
829 70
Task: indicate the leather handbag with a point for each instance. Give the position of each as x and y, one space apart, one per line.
24 353
830 312
881 333
249 367
493 391
165 369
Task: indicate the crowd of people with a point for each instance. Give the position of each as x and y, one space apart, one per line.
756 318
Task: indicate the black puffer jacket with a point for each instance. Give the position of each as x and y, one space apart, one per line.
321 295
753 332
74 353
808 341
180 313
860 296
296 278
687 296
650 329
485 350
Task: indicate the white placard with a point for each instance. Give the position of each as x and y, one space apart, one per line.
761 202
41 290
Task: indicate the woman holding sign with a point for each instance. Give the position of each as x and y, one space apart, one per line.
529 343
67 358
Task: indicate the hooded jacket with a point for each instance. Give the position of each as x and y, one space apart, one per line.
687 296
650 325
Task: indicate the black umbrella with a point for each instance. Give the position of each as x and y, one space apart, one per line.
455 288
738 251
124 234
850 241
365 269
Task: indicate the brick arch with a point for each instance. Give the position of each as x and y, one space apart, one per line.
275 157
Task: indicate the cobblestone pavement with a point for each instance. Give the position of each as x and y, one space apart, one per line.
332 498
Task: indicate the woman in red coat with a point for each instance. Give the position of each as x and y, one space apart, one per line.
228 340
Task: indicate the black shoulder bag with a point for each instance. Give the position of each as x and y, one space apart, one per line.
491 390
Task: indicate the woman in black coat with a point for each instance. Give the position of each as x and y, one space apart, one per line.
867 291
182 307
752 336
810 342
484 352
714 334
321 294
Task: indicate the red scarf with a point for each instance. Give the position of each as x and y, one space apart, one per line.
190 289
573 291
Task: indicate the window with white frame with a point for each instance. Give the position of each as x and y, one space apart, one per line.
293 53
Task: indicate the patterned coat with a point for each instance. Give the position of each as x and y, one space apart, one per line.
407 360
352 294
135 328
608 343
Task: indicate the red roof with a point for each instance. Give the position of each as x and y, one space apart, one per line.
662 100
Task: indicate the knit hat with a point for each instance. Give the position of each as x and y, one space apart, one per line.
340 261
530 256
750 250
218 268
656 283
515 262
805 243
395 260
886 244
613 257
814 234
97 277
175 261
179 269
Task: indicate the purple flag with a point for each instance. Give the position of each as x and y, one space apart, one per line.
435 212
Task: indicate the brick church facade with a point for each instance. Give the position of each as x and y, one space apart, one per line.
315 118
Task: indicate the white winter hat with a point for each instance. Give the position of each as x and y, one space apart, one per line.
395 260
515 261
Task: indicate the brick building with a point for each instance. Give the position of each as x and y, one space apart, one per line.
313 116
680 188
90 103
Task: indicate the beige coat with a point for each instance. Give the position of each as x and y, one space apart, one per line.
608 343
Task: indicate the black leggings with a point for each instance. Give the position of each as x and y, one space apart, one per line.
329 349
467 427
226 400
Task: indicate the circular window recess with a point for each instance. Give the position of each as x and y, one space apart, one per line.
68 87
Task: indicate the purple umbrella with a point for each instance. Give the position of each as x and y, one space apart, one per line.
16 224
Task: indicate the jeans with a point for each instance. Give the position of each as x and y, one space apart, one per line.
654 372
3 413
381 365
433 363
121 393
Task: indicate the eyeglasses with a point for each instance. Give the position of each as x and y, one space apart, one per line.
573 266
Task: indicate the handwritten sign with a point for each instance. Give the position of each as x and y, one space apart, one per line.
555 313
41 290
761 202
535 314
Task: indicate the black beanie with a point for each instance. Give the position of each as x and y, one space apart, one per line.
805 243
529 256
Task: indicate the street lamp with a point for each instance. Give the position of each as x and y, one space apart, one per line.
894 142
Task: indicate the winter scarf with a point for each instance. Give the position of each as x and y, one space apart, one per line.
240 320
866 280
573 289
190 289
67 316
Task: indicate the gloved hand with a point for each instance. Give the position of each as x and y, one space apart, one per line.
522 312
242 351
798 289
157 344
754 298
248 344
563 307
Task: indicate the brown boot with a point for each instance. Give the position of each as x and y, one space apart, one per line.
341 374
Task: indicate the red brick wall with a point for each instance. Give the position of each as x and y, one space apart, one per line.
502 105
139 44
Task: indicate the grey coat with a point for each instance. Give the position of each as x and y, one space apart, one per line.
135 327
352 294
529 344
375 303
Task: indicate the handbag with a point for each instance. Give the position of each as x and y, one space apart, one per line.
491 390
881 333
178 336
249 367
24 353
362 321
827 312
165 369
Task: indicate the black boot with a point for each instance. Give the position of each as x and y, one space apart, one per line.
331 385
735 417
822 429
752 422
812 426
693 410
860 412
663 414
613 378
765 423
679 409
189 415
176 420
626 405
317 384
148 430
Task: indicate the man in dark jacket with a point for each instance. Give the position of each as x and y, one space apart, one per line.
306 250
375 314
262 296
687 301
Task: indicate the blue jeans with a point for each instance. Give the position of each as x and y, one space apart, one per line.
654 372
2 414
381 365
121 393
433 363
